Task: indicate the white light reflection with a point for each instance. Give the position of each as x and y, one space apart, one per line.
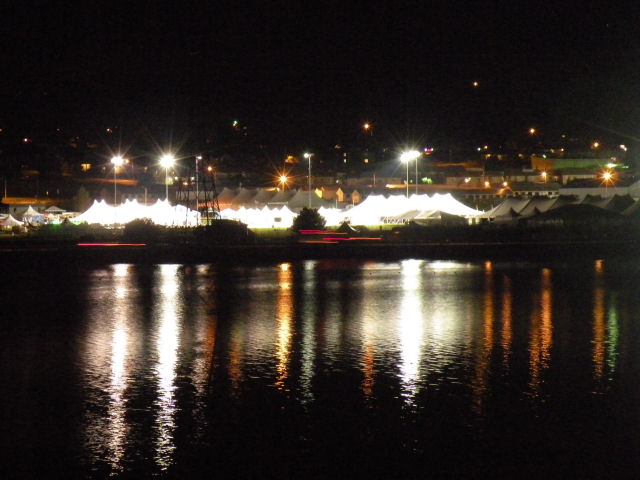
106 361
118 427
308 335
411 328
167 346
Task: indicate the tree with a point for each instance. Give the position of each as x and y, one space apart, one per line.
308 219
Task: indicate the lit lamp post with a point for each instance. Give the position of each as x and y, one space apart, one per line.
405 158
167 160
117 163
308 156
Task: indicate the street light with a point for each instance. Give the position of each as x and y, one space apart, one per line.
308 156
167 160
405 158
117 163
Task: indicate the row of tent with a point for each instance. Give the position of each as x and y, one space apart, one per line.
374 210
260 197
514 208
160 213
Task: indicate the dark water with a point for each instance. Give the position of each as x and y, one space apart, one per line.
335 369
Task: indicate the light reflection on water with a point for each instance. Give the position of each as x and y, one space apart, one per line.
403 331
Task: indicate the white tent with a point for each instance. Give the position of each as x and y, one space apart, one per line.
160 213
98 212
9 222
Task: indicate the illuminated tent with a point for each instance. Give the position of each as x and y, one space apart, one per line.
160 213
31 215
376 209
98 212
9 222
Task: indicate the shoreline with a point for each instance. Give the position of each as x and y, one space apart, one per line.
27 252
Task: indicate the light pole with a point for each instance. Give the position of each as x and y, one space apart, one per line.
198 158
405 158
117 163
167 160
308 156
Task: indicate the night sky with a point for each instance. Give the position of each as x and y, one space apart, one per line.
303 74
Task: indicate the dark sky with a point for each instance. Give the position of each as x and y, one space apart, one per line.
303 72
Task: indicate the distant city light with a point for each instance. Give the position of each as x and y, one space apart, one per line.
532 131
475 84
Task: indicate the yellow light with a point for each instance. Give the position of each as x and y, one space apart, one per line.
606 176
487 184
532 131
544 174
283 179
475 84
596 144
366 126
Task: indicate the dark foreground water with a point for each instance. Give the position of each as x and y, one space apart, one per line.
335 369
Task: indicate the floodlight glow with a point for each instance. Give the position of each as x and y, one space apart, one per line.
406 157
167 160
117 160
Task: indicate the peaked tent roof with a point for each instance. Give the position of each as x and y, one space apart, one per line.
263 196
301 200
54 209
245 197
9 222
31 212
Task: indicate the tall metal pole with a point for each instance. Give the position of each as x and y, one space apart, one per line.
166 183
197 183
308 157
309 181
407 163
416 175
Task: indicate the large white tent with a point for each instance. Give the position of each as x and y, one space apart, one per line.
374 210
9 222
160 213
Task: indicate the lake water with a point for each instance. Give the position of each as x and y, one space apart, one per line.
321 369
